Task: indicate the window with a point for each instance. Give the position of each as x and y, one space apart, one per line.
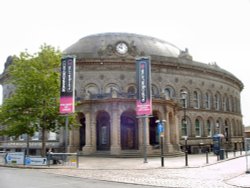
209 129
197 128
52 136
35 136
217 101
131 90
184 128
22 137
196 100
207 101
154 90
169 92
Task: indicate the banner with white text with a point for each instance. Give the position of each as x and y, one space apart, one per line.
67 99
143 80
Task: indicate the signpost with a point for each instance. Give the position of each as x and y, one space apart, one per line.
144 99
67 98
160 129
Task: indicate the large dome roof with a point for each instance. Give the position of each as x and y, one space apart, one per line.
104 44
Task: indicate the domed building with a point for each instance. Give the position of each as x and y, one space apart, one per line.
106 98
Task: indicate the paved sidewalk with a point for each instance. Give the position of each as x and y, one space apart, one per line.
224 173
228 173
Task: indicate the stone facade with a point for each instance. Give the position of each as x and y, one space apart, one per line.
106 97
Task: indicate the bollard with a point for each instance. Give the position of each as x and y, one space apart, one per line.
234 153
162 152
48 159
226 153
77 160
207 157
186 158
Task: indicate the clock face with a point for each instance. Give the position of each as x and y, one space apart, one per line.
122 48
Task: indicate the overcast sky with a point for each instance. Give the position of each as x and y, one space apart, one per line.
213 30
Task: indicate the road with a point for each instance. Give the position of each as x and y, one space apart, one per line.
32 178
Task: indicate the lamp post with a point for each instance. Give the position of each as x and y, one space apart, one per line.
184 106
186 151
184 121
160 128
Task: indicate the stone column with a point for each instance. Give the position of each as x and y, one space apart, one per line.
88 148
74 141
115 130
141 135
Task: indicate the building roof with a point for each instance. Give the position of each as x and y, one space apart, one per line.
103 46
95 46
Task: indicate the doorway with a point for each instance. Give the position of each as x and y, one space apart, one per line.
103 131
129 131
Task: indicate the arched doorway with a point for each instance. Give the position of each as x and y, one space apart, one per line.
82 131
103 131
129 131
153 132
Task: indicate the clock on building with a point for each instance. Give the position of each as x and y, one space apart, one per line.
122 48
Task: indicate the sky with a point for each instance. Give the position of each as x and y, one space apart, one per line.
213 30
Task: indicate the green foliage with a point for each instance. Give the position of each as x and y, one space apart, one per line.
36 78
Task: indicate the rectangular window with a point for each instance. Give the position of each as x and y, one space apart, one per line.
52 136
35 136
209 130
197 128
184 129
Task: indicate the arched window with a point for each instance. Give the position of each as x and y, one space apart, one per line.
169 92
226 103
155 91
196 100
131 90
197 128
217 101
207 101
209 128
184 128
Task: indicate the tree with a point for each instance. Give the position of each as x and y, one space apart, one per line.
36 98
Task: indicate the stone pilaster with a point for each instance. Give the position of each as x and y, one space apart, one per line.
115 131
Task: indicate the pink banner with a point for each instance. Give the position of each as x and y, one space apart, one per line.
143 108
66 105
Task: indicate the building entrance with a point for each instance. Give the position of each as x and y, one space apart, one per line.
103 131
82 131
129 131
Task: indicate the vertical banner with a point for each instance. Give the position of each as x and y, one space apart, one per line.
67 99
143 80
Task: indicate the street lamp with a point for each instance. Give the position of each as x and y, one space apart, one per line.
184 121
160 128
183 98
186 150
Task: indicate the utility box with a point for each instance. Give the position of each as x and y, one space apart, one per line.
217 144
222 153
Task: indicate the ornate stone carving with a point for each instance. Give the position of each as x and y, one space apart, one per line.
133 49
106 51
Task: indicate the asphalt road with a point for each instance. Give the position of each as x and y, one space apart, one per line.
31 178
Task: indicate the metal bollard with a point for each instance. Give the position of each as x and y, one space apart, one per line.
77 160
207 157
